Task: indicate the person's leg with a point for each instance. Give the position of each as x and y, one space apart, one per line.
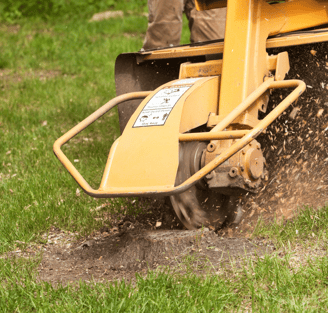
205 25
165 23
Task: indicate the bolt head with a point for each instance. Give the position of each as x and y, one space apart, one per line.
233 172
211 147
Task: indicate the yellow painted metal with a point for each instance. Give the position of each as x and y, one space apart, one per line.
302 14
246 16
202 5
138 162
111 191
298 39
144 160
252 134
280 64
236 112
198 106
214 48
245 64
282 67
149 156
182 51
235 134
202 69
80 127
210 4
244 121
275 63
245 57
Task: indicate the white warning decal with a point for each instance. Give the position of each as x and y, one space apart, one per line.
159 107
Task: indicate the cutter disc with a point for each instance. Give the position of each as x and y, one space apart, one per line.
200 206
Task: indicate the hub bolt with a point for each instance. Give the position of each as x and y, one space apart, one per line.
233 172
211 147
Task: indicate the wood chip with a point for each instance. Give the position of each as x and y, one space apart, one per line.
320 112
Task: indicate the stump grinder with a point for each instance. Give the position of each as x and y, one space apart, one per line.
195 119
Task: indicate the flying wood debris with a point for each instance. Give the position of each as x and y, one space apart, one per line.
296 147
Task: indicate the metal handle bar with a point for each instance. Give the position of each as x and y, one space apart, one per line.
81 126
252 134
216 132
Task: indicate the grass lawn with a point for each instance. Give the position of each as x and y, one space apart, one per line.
267 285
293 279
54 74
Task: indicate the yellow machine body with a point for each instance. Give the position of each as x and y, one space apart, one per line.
168 111
224 95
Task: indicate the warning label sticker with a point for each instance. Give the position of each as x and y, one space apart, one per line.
159 107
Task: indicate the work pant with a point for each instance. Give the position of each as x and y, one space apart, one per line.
165 23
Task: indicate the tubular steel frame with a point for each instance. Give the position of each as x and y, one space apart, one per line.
245 78
216 133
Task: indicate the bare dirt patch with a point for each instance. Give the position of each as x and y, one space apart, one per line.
113 257
153 239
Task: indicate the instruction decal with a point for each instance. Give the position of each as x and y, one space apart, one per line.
159 107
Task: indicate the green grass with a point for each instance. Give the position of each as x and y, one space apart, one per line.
310 224
76 60
56 74
11 10
261 285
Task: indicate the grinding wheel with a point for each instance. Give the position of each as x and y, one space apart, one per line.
200 206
